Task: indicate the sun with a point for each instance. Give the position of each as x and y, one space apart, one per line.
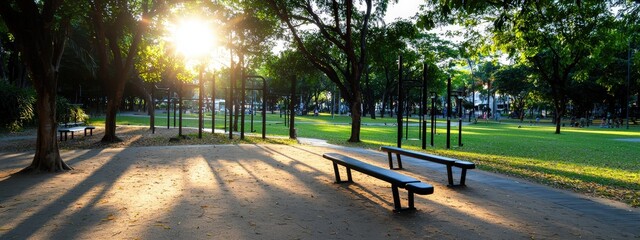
192 37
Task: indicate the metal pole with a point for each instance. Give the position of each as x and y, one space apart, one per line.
253 110
180 112
264 108
628 77
200 101
213 101
152 119
232 85
406 124
168 107
448 112
423 106
242 96
460 120
400 103
175 105
292 131
433 115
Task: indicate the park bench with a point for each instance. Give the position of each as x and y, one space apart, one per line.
71 130
449 162
397 180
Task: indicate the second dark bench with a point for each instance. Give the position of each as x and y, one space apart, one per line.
396 179
71 130
449 162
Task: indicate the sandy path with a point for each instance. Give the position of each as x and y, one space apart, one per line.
280 192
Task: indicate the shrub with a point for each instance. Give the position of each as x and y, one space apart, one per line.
16 107
67 112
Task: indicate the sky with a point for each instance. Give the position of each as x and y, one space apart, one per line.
404 9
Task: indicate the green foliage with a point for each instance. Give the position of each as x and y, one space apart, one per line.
16 107
69 113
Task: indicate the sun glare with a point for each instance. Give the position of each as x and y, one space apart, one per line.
192 37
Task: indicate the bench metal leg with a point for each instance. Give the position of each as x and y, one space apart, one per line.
335 170
411 200
463 176
391 161
65 136
450 176
396 199
60 136
397 206
337 173
71 134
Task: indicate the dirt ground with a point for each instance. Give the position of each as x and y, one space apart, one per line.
139 190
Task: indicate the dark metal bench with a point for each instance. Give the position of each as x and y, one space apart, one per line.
397 180
71 130
449 162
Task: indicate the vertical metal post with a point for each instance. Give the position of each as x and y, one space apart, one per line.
264 108
433 115
400 103
213 102
168 107
406 124
152 104
292 130
460 120
448 112
628 77
200 101
242 96
423 106
231 103
180 111
253 99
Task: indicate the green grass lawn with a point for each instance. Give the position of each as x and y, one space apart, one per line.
588 160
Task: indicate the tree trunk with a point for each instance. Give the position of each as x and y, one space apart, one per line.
356 117
113 104
47 157
41 45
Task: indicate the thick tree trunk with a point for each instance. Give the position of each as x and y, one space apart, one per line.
41 47
47 157
113 104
